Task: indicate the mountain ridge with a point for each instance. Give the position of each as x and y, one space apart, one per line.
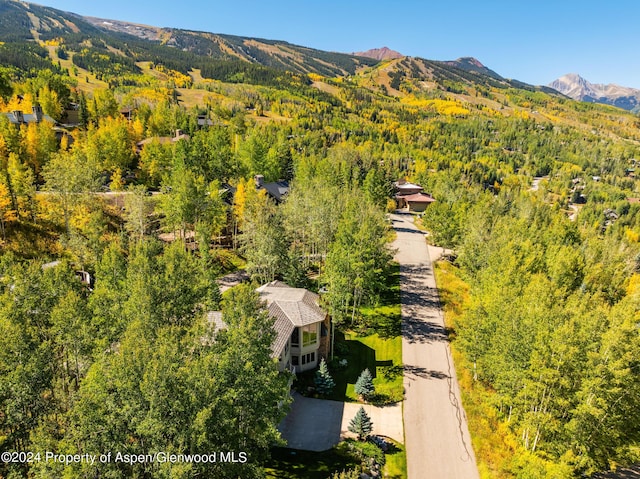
217 56
578 88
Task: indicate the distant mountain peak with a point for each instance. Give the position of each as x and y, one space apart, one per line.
383 53
471 61
576 87
472 64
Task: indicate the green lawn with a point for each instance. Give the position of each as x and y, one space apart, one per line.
383 357
295 464
396 466
376 345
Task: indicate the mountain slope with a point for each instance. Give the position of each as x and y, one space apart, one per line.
270 53
472 65
20 22
576 87
410 74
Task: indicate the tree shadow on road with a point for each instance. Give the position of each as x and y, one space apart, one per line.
422 372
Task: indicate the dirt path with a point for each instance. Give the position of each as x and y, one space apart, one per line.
436 434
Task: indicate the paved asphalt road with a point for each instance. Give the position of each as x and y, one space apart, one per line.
436 434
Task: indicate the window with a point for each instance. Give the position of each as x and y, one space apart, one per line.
294 360
308 358
295 337
309 335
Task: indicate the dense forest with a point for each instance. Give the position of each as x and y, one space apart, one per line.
147 184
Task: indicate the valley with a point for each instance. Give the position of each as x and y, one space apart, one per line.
139 165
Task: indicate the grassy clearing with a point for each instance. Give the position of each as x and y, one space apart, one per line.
453 291
385 366
295 464
383 357
228 260
87 81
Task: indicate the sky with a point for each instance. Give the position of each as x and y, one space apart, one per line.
534 42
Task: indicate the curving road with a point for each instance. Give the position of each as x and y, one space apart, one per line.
436 435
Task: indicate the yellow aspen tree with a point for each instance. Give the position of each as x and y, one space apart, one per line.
7 213
117 182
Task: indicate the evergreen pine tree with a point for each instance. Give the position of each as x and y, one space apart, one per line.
324 381
361 424
364 385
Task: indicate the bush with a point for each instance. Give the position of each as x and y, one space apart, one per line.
371 455
350 474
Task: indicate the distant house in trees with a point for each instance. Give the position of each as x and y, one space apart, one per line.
83 276
277 190
204 120
403 188
127 113
411 196
418 202
302 327
180 135
17 117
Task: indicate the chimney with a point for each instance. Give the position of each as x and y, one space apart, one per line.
259 180
18 116
37 113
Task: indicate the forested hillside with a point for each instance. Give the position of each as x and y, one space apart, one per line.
147 184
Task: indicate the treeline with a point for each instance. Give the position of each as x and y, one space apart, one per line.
104 64
26 59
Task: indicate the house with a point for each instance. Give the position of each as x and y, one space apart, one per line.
17 117
411 196
204 120
417 202
83 276
127 113
163 140
302 327
403 188
277 190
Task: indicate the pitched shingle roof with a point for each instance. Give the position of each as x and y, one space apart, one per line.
418 198
290 307
27 118
297 304
214 318
277 190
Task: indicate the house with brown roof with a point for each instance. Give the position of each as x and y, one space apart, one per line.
302 327
417 202
404 188
411 196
